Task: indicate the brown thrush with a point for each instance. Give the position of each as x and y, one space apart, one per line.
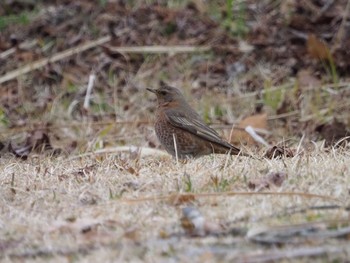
181 131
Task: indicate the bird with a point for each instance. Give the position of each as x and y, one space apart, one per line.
180 129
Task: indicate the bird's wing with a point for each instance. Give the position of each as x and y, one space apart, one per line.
196 127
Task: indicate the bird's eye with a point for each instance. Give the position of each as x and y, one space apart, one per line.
163 93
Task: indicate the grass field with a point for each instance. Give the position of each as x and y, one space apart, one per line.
103 208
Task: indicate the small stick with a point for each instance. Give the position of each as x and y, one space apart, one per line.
230 194
75 50
92 78
250 130
59 56
160 49
175 146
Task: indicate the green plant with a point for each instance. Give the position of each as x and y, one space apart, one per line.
220 184
188 183
330 68
3 118
102 3
272 98
169 28
235 21
218 111
22 18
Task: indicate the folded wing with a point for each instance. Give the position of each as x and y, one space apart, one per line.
197 127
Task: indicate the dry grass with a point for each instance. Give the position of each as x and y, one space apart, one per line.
66 209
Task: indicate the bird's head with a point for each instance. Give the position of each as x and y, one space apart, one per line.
167 94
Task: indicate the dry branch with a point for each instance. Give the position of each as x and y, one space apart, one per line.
160 49
227 194
59 56
81 48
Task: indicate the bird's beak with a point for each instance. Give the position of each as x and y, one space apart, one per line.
152 90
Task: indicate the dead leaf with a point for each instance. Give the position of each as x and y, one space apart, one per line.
279 152
38 139
124 165
332 132
195 224
131 185
132 233
87 230
163 234
26 56
179 199
271 179
200 5
20 151
85 172
276 178
307 80
258 121
317 48
88 198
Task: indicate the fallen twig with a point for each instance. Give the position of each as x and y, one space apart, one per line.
223 194
24 45
273 255
92 78
339 36
160 49
75 50
59 56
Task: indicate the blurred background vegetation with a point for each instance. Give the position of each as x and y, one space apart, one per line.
281 67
